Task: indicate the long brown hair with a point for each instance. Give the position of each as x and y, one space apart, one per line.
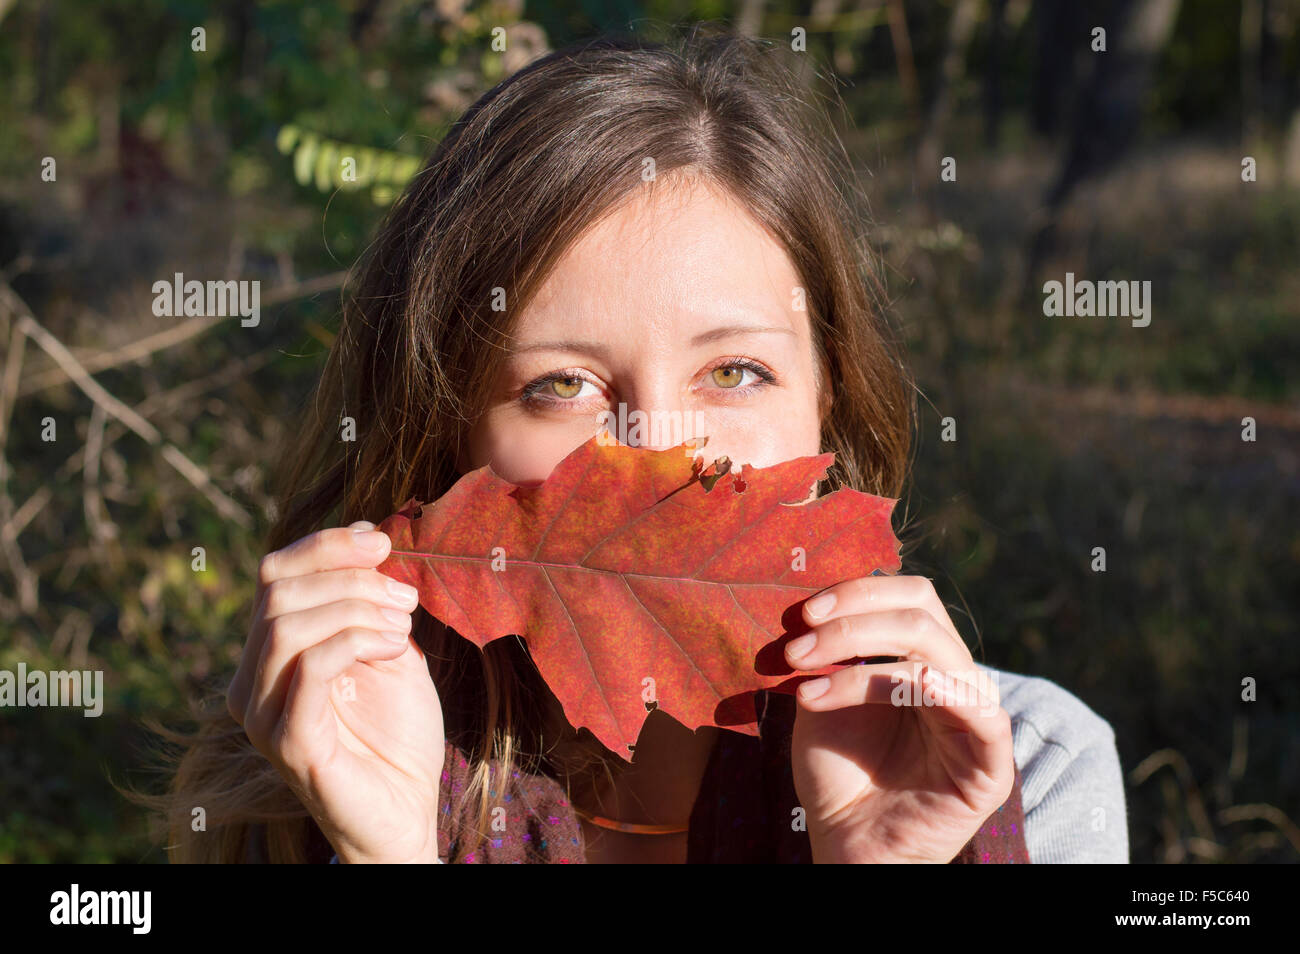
519 177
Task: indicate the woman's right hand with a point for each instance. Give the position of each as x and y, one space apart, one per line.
335 693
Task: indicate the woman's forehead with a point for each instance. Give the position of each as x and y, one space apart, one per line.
670 263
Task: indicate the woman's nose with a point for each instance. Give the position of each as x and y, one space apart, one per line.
656 425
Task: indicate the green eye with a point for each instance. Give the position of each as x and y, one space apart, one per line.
566 387
728 376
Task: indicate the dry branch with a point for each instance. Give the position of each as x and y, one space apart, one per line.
115 408
143 347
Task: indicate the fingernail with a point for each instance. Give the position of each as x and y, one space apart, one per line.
939 682
370 539
362 525
397 616
819 606
815 688
406 595
395 637
798 648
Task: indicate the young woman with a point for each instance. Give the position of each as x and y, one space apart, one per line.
662 228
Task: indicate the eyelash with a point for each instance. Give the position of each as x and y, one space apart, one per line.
531 394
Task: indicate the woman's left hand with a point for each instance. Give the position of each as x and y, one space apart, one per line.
900 761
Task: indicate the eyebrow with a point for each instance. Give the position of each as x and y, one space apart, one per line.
704 337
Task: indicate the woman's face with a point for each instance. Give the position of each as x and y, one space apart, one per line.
679 306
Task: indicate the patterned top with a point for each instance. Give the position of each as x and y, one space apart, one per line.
742 815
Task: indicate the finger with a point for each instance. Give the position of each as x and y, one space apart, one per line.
984 681
327 549
289 636
357 545
910 632
330 549
297 593
968 707
263 579
303 732
985 727
870 594
951 704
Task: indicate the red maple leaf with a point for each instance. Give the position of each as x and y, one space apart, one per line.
636 578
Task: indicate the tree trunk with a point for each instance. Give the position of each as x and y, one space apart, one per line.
961 27
993 74
1252 28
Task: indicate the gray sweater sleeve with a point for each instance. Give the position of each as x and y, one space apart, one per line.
1071 781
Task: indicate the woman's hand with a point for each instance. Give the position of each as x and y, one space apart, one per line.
333 691
899 761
